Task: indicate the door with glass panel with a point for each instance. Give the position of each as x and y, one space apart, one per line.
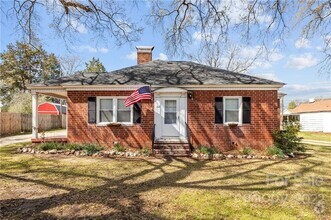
170 117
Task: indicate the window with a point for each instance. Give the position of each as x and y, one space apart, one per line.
106 110
123 113
232 110
170 112
112 109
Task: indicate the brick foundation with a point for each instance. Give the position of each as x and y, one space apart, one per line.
257 134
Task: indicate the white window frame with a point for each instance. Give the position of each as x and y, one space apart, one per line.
115 100
239 112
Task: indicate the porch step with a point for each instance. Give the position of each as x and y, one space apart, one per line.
178 148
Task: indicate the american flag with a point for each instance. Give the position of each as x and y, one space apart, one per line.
139 94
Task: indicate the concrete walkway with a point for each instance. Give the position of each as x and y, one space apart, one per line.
27 137
315 142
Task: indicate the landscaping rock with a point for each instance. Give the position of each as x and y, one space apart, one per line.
67 153
83 153
249 157
76 153
24 150
239 156
60 151
195 155
52 151
32 151
72 151
291 155
217 156
19 150
230 156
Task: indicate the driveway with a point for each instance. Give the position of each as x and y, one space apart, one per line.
27 137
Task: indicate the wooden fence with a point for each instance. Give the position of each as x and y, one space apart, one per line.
13 123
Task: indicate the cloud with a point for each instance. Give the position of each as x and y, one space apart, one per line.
275 56
79 27
302 61
270 76
93 49
306 91
302 43
162 56
132 55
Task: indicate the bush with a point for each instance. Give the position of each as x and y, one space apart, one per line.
272 150
50 146
88 148
247 150
118 148
91 148
145 151
74 146
207 150
287 140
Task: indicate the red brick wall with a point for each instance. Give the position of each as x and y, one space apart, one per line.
257 134
138 135
264 120
144 57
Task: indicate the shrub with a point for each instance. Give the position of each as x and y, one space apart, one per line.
145 151
272 150
118 148
247 150
74 146
50 146
287 140
91 148
207 150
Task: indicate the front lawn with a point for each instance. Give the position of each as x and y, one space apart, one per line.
54 186
318 136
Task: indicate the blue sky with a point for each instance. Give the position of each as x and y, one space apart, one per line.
295 63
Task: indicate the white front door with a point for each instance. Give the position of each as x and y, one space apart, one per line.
170 113
170 117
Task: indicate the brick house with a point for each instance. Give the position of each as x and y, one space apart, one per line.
192 104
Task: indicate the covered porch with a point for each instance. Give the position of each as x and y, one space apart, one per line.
41 132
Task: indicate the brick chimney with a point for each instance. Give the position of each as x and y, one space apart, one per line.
144 54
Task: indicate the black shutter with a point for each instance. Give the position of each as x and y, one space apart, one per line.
219 110
137 112
92 109
246 109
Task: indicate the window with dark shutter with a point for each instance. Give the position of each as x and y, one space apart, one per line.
92 104
219 110
246 109
137 113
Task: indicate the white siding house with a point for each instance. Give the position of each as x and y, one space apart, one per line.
314 115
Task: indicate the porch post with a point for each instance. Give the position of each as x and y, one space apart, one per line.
34 114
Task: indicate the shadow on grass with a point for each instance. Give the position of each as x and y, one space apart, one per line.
113 190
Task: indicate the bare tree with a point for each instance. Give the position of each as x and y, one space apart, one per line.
104 19
70 64
255 21
250 21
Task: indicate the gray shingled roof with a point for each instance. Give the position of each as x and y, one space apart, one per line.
162 73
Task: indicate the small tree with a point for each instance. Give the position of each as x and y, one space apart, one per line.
21 65
292 105
21 102
288 140
94 65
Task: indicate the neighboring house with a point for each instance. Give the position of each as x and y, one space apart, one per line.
314 115
50 108
192 104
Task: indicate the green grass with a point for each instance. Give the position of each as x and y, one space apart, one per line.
54 186
319 136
